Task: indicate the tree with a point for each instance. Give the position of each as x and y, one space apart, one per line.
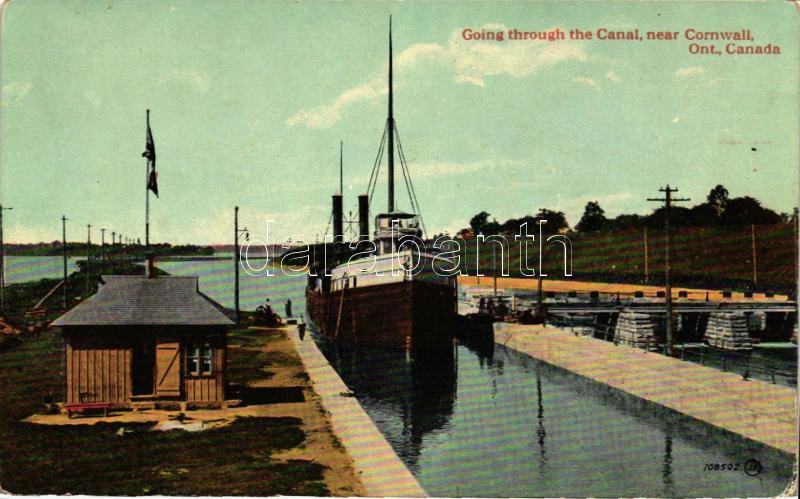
594 218
746 211
679 216
478 222
556 220
624 221
718 198
704 215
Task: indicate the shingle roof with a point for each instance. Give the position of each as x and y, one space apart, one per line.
136 300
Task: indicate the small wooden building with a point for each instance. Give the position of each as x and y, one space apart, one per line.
144 340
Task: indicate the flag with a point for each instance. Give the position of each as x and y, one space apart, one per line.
150 154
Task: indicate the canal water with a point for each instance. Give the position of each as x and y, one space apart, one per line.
500 423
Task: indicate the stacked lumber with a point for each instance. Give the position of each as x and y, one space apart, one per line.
636 329
6 328
728 331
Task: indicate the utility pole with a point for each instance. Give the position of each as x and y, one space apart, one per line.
668 200
64 247
113 248
2 262
753 240
540 283
88 255
236 259
646 260
796 249
102 251
494 268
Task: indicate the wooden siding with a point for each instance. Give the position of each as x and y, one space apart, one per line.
99 365
100 370
208 388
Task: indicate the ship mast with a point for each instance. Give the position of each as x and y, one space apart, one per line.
390 126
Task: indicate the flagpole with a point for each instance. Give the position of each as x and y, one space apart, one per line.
147 196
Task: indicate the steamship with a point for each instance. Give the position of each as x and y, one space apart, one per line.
392 297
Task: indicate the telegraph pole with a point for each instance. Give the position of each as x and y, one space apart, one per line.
88 255
236 258
494 268
540 283
753 240
668 200
64 247
795 226
646 260
2 262
102 251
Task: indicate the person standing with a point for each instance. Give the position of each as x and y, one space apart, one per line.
288 308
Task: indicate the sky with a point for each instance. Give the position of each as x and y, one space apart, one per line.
250 99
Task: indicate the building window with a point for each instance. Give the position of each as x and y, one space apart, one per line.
201 358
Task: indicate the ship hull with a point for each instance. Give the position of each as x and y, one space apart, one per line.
407 314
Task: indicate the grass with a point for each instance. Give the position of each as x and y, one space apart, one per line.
714 257
81 459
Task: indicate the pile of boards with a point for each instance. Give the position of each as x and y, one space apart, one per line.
728 331
6 328
636 329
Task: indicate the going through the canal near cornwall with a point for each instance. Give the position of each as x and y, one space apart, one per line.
573 274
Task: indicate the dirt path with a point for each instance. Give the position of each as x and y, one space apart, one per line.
321 445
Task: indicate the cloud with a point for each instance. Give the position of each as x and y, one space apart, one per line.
93 98
16 232
611 75
448 168
14 92
474 60
326 115
199 79
191 76
694 80
689 71
470 62
470 79
585 81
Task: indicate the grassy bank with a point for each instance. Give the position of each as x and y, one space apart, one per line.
702 257
97 459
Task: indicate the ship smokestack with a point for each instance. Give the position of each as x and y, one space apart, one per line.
363 217
338 219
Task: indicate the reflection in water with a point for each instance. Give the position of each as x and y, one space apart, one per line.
667 468
498 423
413 394
540 431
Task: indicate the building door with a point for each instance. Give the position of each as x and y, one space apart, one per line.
143 366
168 368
